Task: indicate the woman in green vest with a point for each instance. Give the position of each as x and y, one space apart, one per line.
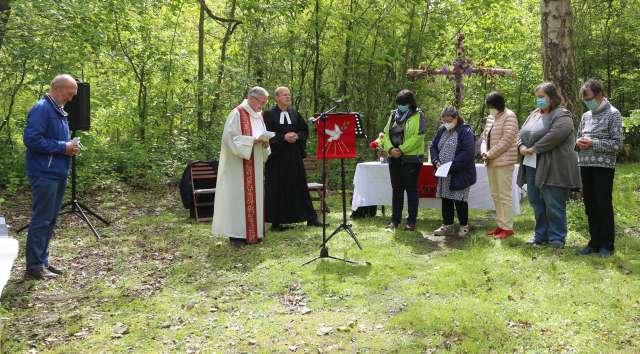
404 144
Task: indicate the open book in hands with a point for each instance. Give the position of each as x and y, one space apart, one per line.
264 135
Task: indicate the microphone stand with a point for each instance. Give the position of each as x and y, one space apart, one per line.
324 250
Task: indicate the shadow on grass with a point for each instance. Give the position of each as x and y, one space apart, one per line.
337 267
627 264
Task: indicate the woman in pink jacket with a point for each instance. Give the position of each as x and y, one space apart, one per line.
500 153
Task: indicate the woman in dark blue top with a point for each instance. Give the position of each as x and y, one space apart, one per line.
454 143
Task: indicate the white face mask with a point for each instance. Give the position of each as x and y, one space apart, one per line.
449 126
493 112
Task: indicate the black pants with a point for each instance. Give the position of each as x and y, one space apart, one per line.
448 206
597 187
404 178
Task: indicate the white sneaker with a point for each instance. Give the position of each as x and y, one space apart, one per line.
444 230
464 231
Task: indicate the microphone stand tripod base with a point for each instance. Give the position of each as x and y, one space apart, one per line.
324 253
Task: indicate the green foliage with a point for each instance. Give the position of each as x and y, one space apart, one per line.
631 126
141 58
13 168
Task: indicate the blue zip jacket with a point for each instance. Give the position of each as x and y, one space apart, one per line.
45 137
463 166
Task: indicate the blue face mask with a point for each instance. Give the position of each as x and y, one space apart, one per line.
541 102
592 104
403 108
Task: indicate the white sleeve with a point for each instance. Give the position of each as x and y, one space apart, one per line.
240 145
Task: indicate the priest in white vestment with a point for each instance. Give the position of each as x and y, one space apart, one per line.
239 204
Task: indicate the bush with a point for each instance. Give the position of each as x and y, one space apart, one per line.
105 164
13 167
631 151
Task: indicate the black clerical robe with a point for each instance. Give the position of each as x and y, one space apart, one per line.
287 197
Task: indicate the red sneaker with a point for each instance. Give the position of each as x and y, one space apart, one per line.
494 232
504 234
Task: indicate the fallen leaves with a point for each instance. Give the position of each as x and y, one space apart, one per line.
296 300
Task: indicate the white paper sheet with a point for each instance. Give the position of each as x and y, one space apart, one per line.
483 147
443 170
529 160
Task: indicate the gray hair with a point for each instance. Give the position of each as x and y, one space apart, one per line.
279 90
62 80
257 91
593 85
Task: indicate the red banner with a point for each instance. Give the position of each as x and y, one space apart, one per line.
427 182
339 132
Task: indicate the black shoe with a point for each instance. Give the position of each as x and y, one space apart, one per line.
315 222
587 250
40 273
237 242
556 244
279 228
54 270
604 253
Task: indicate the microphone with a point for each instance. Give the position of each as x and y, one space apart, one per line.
337 102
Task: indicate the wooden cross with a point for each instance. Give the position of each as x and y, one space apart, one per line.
461 66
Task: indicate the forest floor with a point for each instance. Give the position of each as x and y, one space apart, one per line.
157 282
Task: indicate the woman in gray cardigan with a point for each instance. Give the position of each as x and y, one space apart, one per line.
549 165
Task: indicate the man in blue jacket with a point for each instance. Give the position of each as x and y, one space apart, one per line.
48 156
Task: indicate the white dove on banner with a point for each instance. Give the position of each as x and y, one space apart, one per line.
334 135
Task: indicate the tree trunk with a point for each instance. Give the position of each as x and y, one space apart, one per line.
342 90
168 94
231 27
5 12
142 105
199 90
316 61
408 35
417 53
12 99
607 40
558 52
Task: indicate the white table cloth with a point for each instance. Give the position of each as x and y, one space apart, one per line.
372 186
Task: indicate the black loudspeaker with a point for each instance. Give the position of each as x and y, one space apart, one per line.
79 108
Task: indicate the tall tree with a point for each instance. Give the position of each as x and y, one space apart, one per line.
200 83
5 12
231 24
231 27
558 52
316 59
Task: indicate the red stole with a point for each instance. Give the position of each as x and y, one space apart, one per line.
250 205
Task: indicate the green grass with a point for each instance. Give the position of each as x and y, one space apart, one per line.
159 283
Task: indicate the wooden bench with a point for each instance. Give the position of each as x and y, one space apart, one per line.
203 183
313 169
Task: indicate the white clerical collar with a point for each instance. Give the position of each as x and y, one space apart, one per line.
284 115
247 107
